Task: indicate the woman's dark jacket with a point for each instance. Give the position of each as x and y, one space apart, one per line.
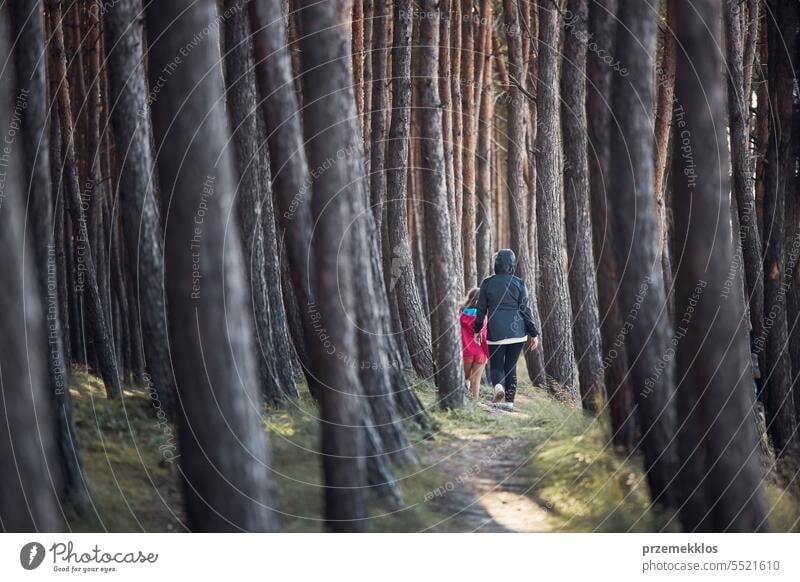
504 298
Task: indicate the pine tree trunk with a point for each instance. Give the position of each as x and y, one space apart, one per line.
377 148
282 365
398 262
448 368
553 297
717 443
30 55
778 164
242 102
738 113
641 293
483 194
468 115
139 204
27 503
582 282
326 86
618 390
85 268
223 449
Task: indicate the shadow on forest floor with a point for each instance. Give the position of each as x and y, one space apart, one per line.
541 468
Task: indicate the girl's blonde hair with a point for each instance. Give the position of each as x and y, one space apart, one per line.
470 299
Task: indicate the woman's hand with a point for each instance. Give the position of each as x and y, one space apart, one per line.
477 338
535 343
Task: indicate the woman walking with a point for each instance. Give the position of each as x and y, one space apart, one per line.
476 354
503 298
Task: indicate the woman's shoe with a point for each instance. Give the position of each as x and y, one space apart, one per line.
499 393
507 406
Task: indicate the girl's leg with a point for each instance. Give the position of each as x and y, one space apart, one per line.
468 367
475 378
512 356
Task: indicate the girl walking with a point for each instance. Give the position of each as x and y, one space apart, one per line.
476 354
503 299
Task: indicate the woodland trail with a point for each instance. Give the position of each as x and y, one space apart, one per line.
486 491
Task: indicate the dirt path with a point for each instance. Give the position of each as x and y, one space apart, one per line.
485 491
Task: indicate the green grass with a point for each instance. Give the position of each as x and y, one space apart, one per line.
584 485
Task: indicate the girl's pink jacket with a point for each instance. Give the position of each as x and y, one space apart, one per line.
468 345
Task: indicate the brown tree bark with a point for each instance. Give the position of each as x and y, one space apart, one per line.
642 296
86 269
448 367
377 149
717 442
398 262
222 443
469 137
581 276
483 194
665 80
553 297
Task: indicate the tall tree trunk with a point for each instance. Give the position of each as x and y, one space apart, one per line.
326 85
139 207
397 258
281 364
85 268
27 500
30 56
778 167
377 149
582 282
665 80
483 194
242 103
222 443
717 442
748 236
468 115
641 294
448 368
553 297
618 389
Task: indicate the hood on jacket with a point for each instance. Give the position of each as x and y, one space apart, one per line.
504 262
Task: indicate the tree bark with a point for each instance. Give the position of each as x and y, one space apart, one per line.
86 268
641 293
778 166
748 236
377 149
469 137
222 443
27 500
326 85
242 103
717 442
581 276
553 297
442 284
139 208
618 390
397 258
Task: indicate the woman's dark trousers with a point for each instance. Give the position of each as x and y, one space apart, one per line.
503 366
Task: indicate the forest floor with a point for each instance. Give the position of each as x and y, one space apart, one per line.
542 468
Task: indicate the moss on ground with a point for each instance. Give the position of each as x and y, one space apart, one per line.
584 485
